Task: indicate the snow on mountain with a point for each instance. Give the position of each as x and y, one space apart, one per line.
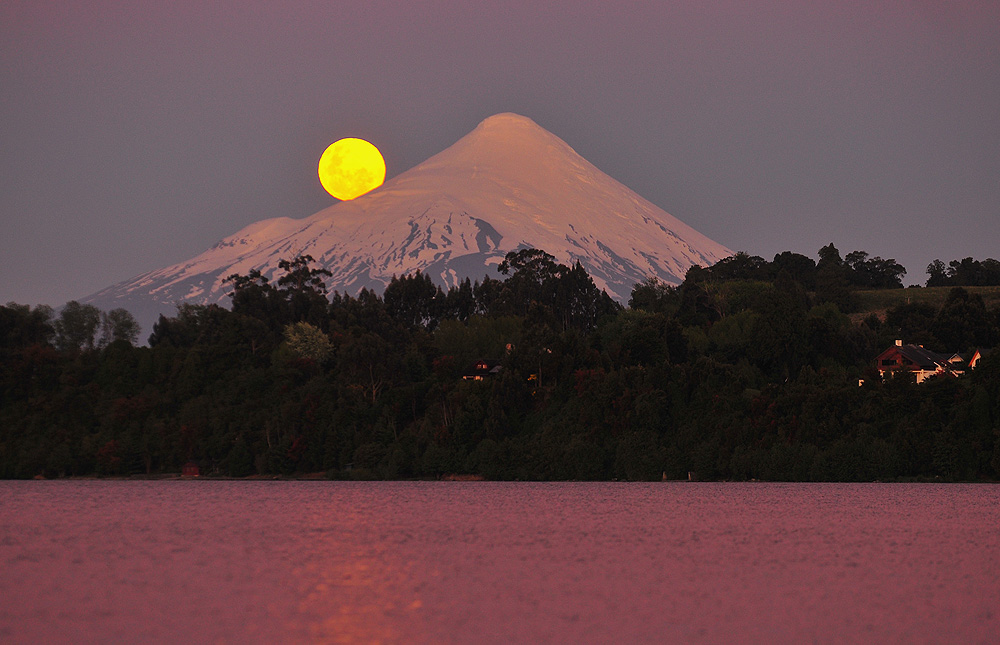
508 184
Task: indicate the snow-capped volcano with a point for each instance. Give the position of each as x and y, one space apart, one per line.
508 184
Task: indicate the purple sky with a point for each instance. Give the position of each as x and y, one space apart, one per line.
137 134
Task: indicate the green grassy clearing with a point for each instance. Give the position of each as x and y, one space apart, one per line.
878 301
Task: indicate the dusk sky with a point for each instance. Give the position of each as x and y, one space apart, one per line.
137 134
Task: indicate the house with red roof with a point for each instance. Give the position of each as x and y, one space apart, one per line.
922 362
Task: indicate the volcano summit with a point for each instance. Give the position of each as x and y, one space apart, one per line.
507 185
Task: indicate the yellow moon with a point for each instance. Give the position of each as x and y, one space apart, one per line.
350 168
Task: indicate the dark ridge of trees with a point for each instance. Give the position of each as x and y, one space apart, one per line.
964 273
746 370
833 278
22 326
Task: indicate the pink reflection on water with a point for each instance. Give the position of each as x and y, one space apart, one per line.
484 562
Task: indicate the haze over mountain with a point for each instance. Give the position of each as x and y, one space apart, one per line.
509 184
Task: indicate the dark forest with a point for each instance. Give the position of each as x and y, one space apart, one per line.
749 369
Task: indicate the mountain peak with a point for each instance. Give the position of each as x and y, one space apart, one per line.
507 120
507 185
505 143
510 126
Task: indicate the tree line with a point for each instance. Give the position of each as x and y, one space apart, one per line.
964 273
749 369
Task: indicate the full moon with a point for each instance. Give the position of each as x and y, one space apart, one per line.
350 168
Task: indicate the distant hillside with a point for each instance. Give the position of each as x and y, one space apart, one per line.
880 300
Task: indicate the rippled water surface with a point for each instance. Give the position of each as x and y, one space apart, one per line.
426 562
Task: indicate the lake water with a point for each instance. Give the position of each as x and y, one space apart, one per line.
450 562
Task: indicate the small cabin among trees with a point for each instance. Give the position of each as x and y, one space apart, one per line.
190 469
481 370
923 363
